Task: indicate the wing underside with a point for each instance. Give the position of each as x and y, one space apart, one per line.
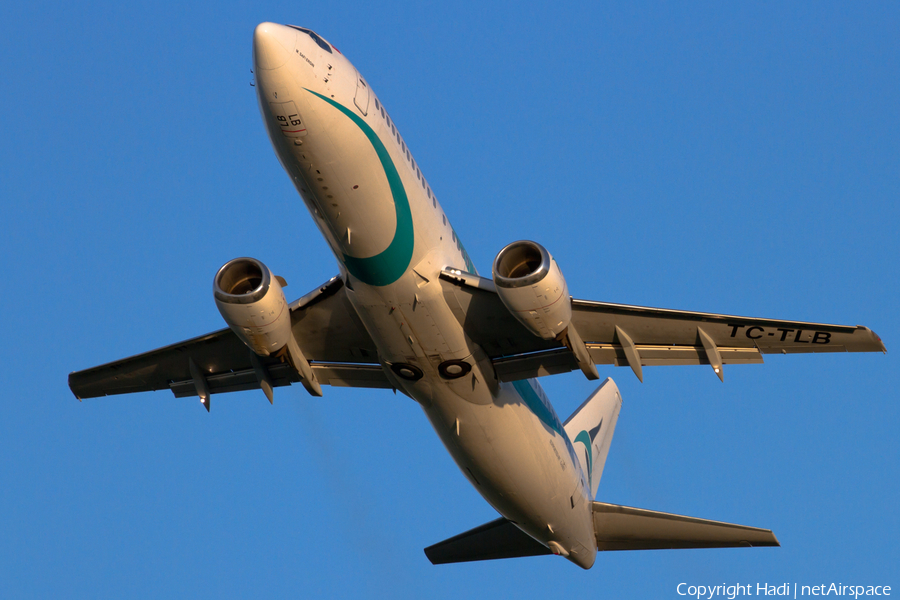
341 353
324 324
636 336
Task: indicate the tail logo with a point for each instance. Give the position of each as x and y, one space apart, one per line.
587 440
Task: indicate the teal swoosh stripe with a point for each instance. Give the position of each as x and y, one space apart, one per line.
390 264
540 409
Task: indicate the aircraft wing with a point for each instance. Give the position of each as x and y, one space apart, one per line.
324 324
636 336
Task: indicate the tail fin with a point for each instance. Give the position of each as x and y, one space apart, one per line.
591 429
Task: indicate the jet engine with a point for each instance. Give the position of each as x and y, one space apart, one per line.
251 301
532 288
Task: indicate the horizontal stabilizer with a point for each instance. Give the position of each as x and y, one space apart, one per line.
626 528
497 539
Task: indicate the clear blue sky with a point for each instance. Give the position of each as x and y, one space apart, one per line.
720 157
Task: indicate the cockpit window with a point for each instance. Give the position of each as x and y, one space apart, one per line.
322 43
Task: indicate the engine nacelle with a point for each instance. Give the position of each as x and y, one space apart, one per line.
532 287
251 301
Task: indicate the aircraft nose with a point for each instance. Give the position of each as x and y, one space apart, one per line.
272 45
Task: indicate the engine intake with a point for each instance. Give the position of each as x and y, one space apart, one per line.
251 301
532 287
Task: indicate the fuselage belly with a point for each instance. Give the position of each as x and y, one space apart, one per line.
391 238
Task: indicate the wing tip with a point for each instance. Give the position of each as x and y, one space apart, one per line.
875 337
430 555
771 540
72 386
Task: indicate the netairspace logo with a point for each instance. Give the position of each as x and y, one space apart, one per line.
783 589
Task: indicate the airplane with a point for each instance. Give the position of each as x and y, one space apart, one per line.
408 311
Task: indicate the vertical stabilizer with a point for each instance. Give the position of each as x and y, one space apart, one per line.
591 429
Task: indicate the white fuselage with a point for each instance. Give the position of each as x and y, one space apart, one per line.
392 239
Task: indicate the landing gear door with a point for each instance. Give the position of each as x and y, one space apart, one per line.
362 95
